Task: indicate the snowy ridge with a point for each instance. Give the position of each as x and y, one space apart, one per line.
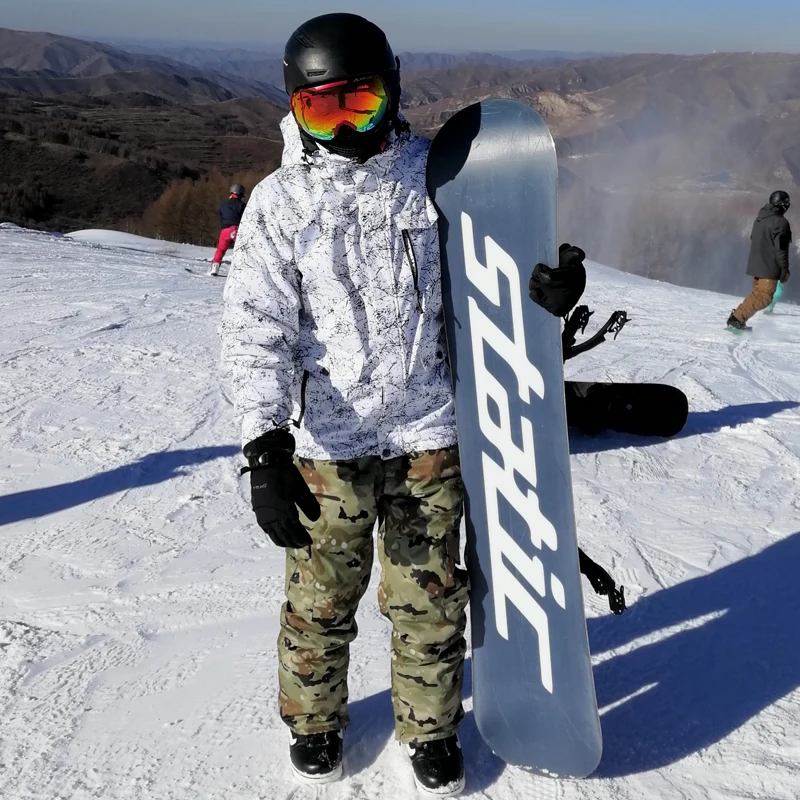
139 602
123 241
130 241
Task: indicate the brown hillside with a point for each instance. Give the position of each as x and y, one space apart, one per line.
99 164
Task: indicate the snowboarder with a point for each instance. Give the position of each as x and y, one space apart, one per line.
230 216
769 259
333 328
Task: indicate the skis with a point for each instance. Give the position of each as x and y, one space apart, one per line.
643 409
492 174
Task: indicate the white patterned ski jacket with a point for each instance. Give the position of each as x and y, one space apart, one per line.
333 309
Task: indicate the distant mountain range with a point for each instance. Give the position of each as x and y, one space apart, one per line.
46 65
668 116
267 67
664 159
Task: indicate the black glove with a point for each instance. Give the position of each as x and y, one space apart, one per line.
277 489
602 583
785 276
558 290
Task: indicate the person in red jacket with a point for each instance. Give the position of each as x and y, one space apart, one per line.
230 215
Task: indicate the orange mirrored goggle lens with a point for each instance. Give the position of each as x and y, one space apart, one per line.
322 111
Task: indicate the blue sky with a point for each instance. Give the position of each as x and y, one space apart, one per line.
607 25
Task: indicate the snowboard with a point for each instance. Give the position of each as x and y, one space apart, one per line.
738 331
492 176
643 409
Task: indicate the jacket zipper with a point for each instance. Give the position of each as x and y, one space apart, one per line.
303 386
412 260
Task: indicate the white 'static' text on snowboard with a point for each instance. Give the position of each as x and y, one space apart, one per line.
500 480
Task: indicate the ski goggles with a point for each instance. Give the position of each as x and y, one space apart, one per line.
322 111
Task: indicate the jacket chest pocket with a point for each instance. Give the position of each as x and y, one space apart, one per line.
421 262
410 259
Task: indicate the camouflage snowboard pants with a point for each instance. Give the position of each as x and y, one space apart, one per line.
417 500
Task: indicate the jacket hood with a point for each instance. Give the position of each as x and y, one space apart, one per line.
292 143
770 211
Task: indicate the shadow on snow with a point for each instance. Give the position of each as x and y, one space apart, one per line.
694 687
699 422
672 697
147 471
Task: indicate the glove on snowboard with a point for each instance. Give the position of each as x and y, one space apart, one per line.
277 489
558 290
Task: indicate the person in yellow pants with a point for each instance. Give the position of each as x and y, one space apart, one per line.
769 259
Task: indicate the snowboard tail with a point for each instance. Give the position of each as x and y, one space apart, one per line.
643 409
492 175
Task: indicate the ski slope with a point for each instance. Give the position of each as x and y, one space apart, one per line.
139 602
130 241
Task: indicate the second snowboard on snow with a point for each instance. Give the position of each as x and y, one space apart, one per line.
492 175
642 409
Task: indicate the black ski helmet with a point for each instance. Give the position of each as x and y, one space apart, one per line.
780 199
238 190
335 47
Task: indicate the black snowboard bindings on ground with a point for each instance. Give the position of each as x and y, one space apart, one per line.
642 409
578 320
317 758
603 583
438 767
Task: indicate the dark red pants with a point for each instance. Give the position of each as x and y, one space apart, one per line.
227 239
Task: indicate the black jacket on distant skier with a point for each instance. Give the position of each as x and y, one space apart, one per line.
230 212
770 242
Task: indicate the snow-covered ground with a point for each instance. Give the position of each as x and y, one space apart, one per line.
130 241
139 602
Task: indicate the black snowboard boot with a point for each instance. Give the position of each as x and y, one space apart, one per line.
317 758
736 324
438 767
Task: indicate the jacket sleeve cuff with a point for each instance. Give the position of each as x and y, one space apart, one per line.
254 425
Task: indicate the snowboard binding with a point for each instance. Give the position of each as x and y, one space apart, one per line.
603 583
578 320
